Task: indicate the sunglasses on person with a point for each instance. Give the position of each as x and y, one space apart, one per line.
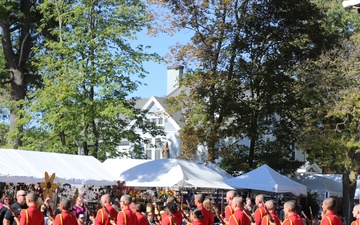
6 199
24 195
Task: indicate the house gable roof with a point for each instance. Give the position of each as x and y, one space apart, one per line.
160 104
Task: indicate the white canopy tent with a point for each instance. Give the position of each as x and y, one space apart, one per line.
22 166
266 179
173 173
117 166
327 184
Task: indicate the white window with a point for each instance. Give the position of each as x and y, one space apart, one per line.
157 154
157 121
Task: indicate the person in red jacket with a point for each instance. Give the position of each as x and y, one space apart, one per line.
330 217
266 220
177 215
291 216
106 214
238 217
126 216
260 211
230 195
32 215
356 214
65 217
141 218
196 217
169 219
208 217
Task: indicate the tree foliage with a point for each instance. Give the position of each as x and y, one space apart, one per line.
88 71
331 135
241 64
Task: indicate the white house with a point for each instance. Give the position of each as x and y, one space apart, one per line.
170 143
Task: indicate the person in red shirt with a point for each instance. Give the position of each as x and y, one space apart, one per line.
32 215
260 211
356 214
106 214
230 195
169 219
177 215
238 217
65 217
208 217
329 207
266 220
141 218
196 217
126 216
291 216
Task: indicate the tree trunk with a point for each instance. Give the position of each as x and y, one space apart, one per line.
16 66
349 187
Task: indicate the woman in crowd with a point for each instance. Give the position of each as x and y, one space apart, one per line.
4 205
78 208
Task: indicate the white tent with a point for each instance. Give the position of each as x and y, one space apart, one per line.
30 166
218 170
173 173
322 184
327 184
117 166
266 179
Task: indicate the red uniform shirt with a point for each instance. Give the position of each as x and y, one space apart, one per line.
356 222
266 219
259 214
31 216
102 215
126 217
65 218
142 220
208 217
228 212
331 219
168 220
239 218
197 222
177 216
294 219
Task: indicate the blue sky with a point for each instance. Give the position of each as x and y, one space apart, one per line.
156 79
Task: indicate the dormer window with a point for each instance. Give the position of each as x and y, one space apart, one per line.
157 121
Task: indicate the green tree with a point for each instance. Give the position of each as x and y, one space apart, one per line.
245 54
4 128
88 73
331 136
18 21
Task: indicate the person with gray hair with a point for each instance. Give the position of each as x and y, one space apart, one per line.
329 209
126 216
291 216
208 217
238 217
32 215
65 217
20 204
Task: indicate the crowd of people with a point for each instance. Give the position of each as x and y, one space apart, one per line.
239 211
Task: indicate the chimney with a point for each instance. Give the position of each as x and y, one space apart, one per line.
173 74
